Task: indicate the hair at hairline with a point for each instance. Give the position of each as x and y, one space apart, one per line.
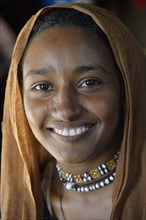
66 17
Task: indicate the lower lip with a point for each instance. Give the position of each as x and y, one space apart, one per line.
72 139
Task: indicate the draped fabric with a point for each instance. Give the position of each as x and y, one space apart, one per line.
23 158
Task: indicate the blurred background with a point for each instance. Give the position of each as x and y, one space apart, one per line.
14 14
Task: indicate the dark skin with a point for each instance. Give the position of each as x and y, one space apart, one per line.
71 94
93 205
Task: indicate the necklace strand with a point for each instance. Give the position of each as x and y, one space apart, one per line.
101 176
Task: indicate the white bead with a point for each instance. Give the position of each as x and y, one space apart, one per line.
90 187
85 175
89 178
71 179
106 181
93 187
78 189
58 167
99 168
101 184
82 189
85 179
103 165
68 186
114 174
69 175
86 189
106 171
102 173
97 186
111 178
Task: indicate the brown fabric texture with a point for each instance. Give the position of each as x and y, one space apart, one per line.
23 157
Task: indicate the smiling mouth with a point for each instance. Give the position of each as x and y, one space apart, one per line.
70 132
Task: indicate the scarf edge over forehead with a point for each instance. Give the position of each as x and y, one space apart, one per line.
21 193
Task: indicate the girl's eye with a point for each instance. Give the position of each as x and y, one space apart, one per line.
90 83
43 87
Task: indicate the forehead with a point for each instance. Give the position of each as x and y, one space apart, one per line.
68 40
68 34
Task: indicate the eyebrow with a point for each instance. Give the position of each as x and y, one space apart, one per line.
81 69
40 71
87 68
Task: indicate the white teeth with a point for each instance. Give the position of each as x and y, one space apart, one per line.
65 132
79 131
58 131
83 129
70 132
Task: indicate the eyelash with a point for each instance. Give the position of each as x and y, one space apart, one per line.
92 83
48 87
39 89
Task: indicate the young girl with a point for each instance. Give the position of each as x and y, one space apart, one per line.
74 119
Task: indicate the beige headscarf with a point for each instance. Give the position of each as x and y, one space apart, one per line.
23 157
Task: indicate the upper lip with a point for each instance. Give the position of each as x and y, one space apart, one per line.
70 125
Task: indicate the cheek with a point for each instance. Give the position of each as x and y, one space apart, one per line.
35 110
105 106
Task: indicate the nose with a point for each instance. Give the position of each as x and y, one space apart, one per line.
66 106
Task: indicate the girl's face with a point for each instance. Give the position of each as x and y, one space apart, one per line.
71 93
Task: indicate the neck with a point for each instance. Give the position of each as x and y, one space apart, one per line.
101 157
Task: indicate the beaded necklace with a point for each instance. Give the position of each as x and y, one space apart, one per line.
94 179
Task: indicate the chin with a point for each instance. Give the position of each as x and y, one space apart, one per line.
71 159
